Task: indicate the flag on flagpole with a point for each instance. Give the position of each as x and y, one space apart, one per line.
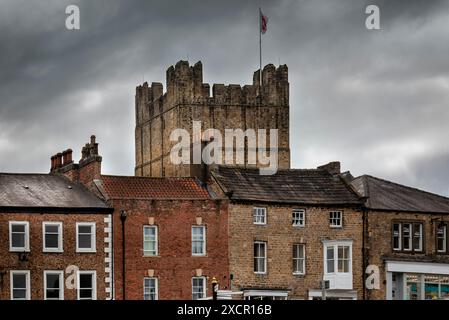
263 23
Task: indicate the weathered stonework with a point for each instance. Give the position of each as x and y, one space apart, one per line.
280 236
379 243
187 99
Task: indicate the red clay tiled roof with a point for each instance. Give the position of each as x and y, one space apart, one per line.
153 188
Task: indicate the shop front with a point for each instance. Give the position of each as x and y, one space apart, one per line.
417 280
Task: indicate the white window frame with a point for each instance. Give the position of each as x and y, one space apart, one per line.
332 218
335 245
300 218
60 235
203 253
93 247
27 282
93 273
156 240
265 257
444 250
204 286
156 287
259 212
61 283
303 258
26 248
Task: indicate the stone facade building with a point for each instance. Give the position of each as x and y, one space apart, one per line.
188 99
290 231
406 237
53 240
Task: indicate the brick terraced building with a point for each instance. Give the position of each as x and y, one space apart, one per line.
175 232
52 239
290 231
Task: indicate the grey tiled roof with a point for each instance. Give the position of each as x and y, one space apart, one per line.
44 191
302 186
387 195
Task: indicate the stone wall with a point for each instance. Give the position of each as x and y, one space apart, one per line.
280 236
229 107
379 242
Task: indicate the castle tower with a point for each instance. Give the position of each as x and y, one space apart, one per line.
188 99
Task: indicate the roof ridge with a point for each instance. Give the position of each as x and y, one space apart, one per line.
149 178
27 174
278 170
404 186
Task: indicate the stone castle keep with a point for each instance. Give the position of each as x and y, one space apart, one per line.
188 99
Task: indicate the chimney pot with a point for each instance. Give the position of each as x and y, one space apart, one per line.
53 163
58 160
64 157
69 155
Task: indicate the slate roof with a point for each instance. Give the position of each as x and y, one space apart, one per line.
45 191
124 187
301 186
387 195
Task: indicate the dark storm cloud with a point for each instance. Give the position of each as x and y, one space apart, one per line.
376 100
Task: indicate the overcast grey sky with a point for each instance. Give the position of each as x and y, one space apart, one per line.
378 101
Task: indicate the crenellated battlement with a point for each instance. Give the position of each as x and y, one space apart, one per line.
186 98
184 85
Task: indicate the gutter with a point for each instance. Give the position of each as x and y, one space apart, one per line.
64 210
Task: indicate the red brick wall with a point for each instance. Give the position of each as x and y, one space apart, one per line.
175 266
38 261
89 172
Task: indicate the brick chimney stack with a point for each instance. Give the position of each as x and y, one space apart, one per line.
90 163
86 171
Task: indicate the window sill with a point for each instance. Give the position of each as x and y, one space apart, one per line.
199 255
338 273
23 250
151 256
52 251
86 251
298 226
297 274
259 224
336 227
411 252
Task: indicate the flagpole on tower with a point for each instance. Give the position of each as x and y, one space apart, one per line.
260 49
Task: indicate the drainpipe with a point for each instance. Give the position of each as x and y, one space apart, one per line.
364 232
123 219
